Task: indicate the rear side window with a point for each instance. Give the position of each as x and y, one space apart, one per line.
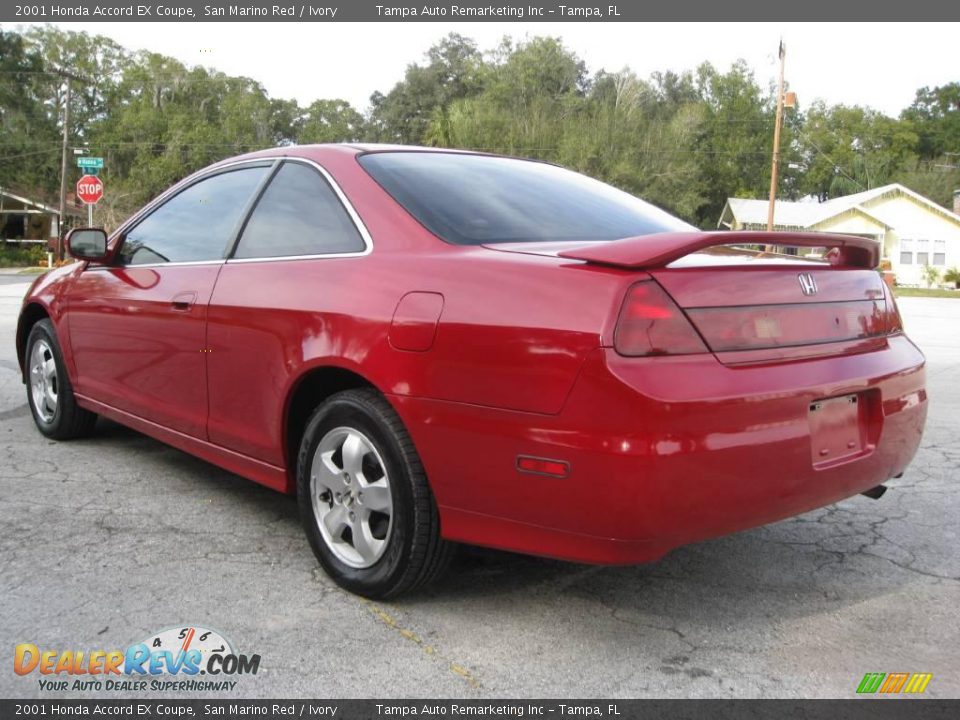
195 224
474 199
298 214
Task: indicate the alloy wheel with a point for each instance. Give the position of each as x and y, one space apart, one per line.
44 383
350 493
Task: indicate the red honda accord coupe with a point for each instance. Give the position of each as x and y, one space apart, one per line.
435 346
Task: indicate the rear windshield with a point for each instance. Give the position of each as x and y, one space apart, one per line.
474 199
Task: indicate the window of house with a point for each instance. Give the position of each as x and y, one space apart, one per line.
923 258
906 251
939 252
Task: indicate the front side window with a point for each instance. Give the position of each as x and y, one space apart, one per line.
195 224
298 214
475 199
906 258
939 259
923 258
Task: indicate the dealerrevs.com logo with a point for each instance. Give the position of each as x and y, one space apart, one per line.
170 660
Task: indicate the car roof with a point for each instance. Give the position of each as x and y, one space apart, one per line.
350 148
392 147
319 152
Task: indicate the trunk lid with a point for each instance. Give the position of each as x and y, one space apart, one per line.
796 310
754 306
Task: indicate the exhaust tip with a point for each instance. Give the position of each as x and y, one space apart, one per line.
875 492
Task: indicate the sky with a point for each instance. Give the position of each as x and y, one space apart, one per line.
880 65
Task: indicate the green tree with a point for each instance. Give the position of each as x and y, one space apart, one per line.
168 120
329 121
97 58
849 149
641 136
29 147
404 114
935 117
736 144
531 92
932 179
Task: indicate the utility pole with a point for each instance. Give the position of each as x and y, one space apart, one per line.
775 169
67 76
63 172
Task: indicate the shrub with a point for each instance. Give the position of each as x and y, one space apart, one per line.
931 275
952 275
13 255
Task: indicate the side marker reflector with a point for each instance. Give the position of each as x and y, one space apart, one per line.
543 466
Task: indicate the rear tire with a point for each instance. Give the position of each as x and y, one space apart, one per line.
49 392
365 503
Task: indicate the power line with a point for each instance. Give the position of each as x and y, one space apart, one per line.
834 163
29 154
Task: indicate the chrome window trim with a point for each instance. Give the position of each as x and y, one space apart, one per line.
184 263
278 258
181 186
344 201
209 172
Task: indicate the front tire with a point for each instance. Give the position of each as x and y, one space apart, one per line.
365 503
49 393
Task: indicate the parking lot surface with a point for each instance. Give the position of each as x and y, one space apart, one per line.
105 541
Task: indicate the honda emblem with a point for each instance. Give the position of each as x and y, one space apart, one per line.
807 283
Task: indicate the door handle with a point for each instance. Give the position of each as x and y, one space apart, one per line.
183 301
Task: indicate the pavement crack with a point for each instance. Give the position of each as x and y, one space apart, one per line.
458 669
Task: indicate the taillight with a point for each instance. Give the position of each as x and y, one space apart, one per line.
650 323
894 322
755 327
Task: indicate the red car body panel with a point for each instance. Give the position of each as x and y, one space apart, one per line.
490 353
658 460
137 336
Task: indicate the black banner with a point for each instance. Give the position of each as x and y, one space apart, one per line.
873 709
473 11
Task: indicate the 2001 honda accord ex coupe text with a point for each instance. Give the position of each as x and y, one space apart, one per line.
434 346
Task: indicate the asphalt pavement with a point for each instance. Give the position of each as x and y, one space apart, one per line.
105 541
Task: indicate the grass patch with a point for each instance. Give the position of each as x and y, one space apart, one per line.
926 292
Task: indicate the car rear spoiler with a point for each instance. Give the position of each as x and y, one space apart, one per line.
660 249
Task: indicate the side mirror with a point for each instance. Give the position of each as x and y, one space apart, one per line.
87 244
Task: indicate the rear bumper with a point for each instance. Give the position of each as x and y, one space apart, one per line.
665 451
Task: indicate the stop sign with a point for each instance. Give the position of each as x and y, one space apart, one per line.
90 189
